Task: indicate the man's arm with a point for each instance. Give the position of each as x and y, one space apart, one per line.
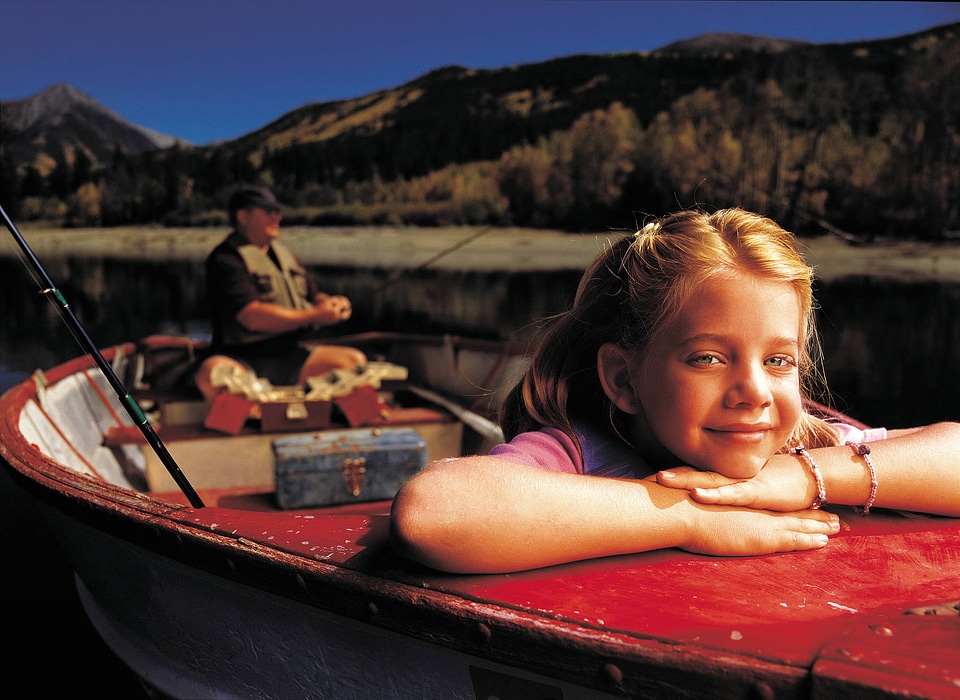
265 317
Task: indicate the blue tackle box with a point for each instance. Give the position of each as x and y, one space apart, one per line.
348 466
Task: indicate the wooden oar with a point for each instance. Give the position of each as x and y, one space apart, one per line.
126 400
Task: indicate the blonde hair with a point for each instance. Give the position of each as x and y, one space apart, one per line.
634 289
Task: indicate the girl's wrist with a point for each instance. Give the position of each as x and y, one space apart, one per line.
820 490
863 451
684 515
846 475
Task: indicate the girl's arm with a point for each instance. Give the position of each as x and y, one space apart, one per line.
917 469
488 514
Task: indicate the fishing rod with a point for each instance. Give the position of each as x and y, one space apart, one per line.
426 263
126 400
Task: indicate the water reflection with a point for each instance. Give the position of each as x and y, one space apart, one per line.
891 348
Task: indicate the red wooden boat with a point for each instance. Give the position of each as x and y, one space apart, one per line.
239 598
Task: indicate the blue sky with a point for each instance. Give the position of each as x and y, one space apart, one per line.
203 70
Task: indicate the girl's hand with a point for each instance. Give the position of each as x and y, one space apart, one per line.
746 532
784 484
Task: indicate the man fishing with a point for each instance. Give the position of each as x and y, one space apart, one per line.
263 302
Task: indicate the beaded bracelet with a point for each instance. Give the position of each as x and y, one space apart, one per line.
864 451
821 496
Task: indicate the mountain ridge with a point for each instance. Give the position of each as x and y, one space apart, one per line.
26 119
61 121
730 41
859 133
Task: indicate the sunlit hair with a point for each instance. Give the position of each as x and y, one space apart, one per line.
635 289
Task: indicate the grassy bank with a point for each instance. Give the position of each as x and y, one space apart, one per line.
465 248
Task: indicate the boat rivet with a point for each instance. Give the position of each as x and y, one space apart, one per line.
484 631
372 607
763 691
613 674
300 582
883 631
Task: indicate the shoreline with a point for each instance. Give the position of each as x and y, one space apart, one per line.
467 249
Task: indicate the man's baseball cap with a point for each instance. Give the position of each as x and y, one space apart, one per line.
250 196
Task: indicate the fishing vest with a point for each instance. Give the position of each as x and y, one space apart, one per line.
285 285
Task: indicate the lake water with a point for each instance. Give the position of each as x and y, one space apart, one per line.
891 348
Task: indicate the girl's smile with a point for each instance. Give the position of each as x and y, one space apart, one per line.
747 433
720 389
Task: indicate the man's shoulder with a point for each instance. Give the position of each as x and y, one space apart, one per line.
224 261
227 247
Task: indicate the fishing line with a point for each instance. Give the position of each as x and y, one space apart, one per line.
393 279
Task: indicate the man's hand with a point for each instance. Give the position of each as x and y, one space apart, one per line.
330 309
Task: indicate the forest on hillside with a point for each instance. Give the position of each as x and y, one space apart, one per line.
862 139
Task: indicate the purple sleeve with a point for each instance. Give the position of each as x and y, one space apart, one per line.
849 433
548 448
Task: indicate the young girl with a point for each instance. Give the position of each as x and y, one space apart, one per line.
676 382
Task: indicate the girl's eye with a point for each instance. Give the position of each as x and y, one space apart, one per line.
703 360
780 362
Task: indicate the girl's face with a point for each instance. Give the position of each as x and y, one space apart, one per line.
720 389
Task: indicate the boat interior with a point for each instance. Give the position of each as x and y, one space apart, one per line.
78 420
